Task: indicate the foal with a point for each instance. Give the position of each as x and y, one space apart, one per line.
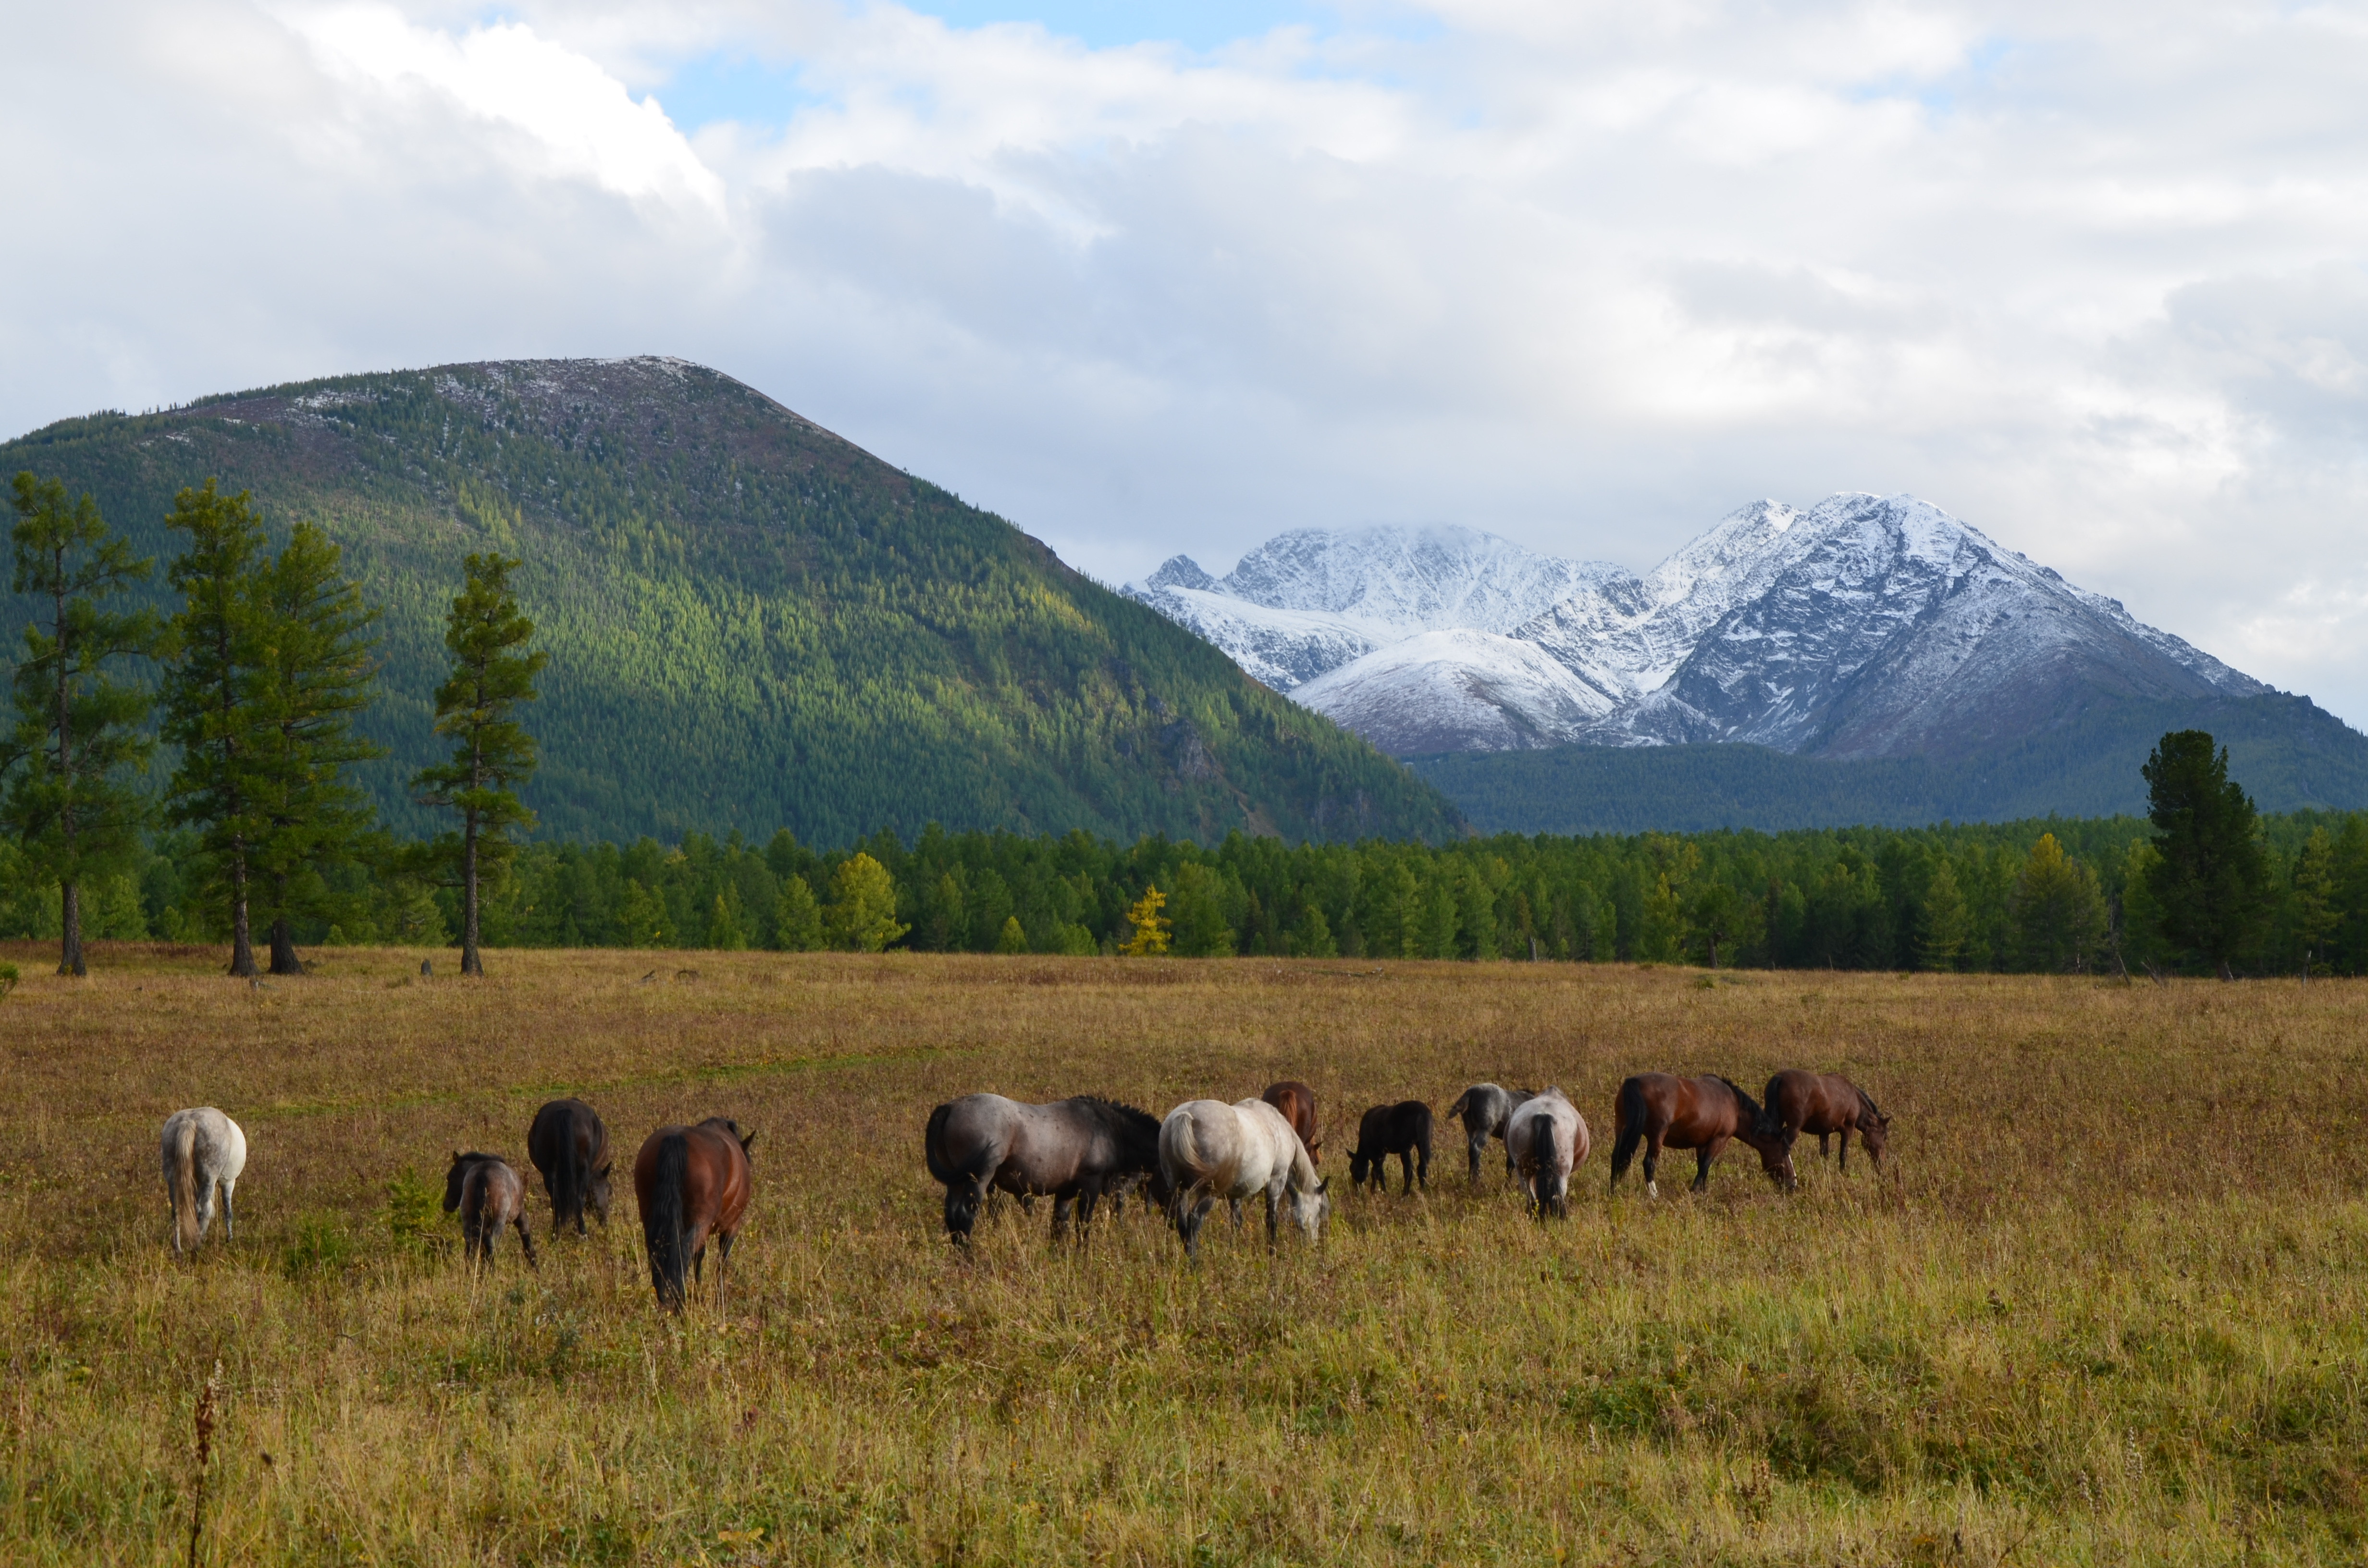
1403 1130
487 1191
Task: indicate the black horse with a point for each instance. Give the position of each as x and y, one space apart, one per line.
1403 1130
1078 1150
570 1147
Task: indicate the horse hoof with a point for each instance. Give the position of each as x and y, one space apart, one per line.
1652 1190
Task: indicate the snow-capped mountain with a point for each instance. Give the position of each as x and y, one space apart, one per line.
1314 599
1866 626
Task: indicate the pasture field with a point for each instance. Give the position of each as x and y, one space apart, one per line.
2111 1305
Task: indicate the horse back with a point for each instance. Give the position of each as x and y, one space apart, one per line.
1297 1101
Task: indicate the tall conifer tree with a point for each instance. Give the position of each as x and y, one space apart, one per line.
492 674
209 694
313 679
2212 880
76 732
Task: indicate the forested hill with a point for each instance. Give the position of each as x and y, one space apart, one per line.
751 622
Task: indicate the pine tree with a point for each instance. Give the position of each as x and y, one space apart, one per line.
1941 933
862 914
77 733
2315 912
492 675
797 918
210 696
2212 880
2059 915
314 678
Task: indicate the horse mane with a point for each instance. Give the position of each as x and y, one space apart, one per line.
1124 1110
1750 1106
1868 1100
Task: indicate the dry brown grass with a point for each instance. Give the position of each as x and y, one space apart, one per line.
2111 1307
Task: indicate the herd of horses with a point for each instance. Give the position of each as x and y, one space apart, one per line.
1081 1150
693 1183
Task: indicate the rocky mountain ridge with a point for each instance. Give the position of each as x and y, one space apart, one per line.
1864 625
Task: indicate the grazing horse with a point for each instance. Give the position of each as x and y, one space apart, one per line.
1825 1104
201 1149
1485 1109
1701 1114
691 1183
570 1147
1403 1130
489 1194
1210 1149
1547 1139
1297 1103
1078 1150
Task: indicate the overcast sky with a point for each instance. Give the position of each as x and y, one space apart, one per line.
1174 277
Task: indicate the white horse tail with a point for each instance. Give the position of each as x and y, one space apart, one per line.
181 1177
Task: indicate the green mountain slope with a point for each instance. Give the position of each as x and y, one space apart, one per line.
2293 755
752 622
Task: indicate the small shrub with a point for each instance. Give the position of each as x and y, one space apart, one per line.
322 1245
8 979
415 1212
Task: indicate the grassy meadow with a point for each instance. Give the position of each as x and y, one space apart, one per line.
2110 1305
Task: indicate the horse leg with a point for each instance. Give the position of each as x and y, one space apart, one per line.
527 1240
1061 1208
1089 1195
1272 1206
1845 1159
1422 1171
1825 1150
1474 1146
1189 1224
230 1214
1709 1151
1652 1165
1237 1211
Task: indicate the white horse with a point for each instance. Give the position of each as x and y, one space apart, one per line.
201 1149
1210 1149
1547 1139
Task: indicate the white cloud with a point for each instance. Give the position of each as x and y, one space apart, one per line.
2090 275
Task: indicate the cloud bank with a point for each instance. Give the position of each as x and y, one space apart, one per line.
2093 276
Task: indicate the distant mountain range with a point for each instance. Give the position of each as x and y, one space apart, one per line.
1863 628
752 623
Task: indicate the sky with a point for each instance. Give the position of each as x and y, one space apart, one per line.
1161 278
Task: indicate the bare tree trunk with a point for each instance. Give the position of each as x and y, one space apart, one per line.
242 934
70 918
470 962
283 950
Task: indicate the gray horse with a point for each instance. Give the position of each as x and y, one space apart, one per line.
200 1149
1485 1109
1078 1150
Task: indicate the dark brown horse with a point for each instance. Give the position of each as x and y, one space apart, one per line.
570 1147
1823 1103
1403 1130
1297 1103
1660 1110
691 1183
489 1195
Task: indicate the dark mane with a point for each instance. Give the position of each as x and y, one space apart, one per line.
1750 1106
1141 1119
1868 1100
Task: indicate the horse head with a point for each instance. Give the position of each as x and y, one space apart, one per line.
1873 1131
1310 1205
453 1179
595 1197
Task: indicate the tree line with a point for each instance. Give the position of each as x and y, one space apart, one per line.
256 683
262 674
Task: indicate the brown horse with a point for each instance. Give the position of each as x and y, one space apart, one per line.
489 1194
1825 1104
691 1183
1662 1110
570 1147
1297 1103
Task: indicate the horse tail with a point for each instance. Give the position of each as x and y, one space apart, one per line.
1461 1101
933 1146
1628 1115
662 1222
569 1181
181 1171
